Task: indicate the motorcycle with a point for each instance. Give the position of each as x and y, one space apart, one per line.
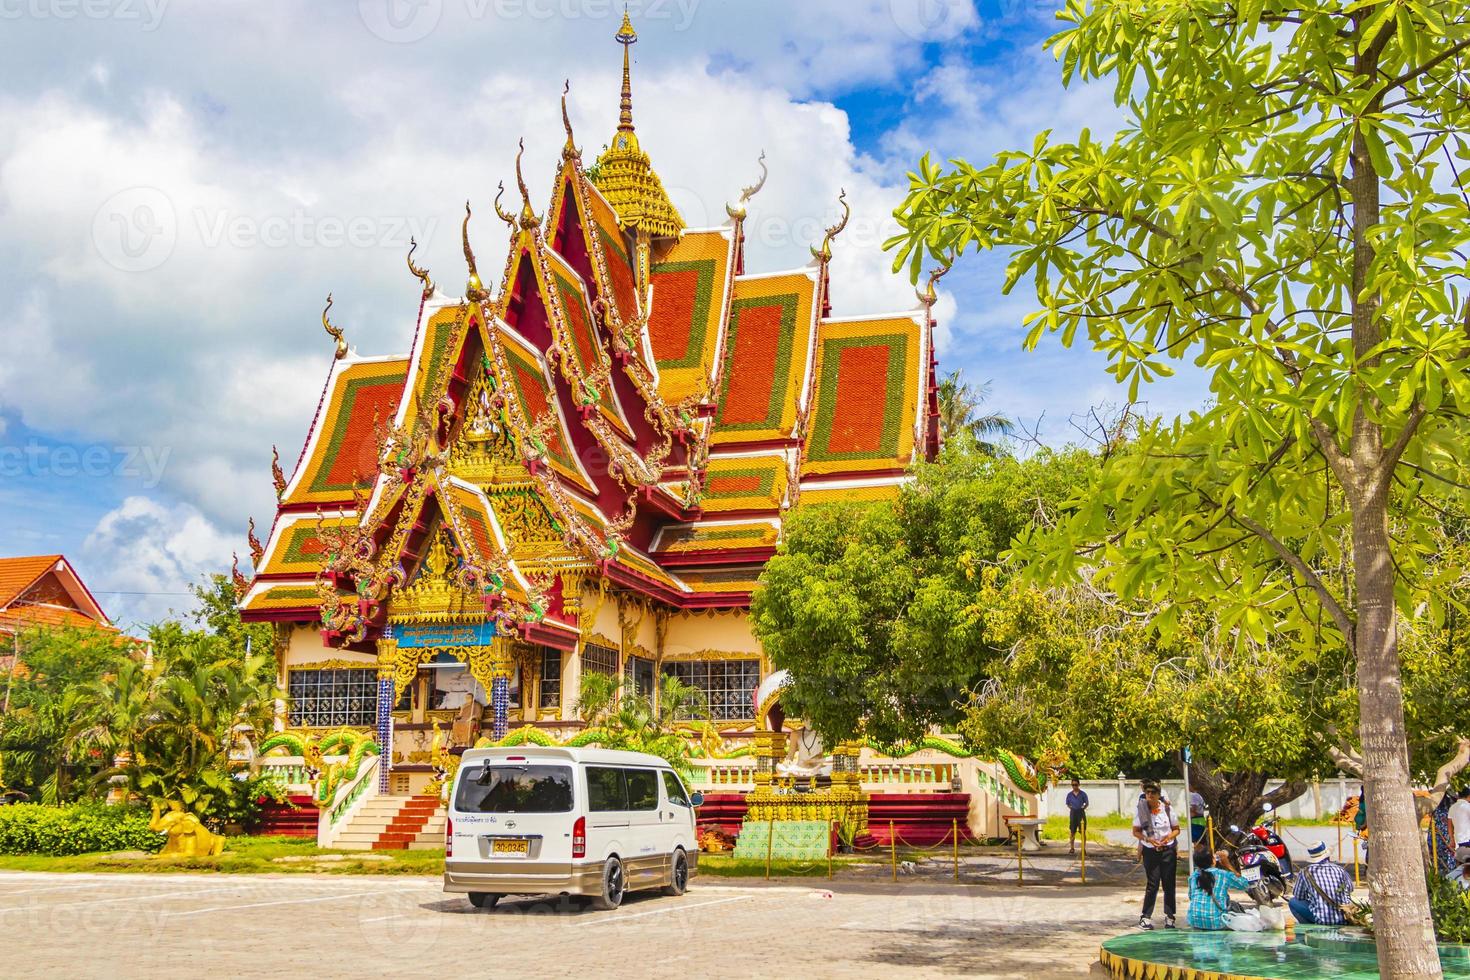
1263 860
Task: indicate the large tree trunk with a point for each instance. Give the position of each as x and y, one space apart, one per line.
1401 921
1237 798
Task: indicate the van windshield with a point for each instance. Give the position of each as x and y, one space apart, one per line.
514 789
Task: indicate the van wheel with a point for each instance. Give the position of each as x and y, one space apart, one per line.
484 900
613 886
679 877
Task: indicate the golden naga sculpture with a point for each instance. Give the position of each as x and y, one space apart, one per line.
187 835
333 331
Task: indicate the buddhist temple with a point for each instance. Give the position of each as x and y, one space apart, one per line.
581 469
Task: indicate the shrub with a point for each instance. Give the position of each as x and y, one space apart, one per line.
1449 905
81 828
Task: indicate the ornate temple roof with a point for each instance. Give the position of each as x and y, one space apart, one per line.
629 403
625 174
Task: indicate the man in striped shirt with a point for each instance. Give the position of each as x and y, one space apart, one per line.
1322 888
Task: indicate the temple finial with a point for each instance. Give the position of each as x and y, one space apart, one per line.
928 296
333 331
505 215
627 37
528 216
422 275
746 193
824 253
474 290
277 476
570 150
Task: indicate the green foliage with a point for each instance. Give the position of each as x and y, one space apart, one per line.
872 607
79 828
89 709
635 723
1449 904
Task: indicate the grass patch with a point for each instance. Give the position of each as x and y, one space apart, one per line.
244 855
1055 827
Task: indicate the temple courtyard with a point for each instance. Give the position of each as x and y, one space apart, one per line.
159 926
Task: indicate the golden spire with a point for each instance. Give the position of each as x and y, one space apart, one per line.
824 253
624 173
422 275
570 150
474 290
627 37
333 331
528 216
505 215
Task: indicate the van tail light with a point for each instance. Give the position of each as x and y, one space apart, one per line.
579 838
448 837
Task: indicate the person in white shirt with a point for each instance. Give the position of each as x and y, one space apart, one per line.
1460 817
1156 829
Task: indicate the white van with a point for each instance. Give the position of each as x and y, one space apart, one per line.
534 820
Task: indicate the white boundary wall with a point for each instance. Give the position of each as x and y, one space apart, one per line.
1319 802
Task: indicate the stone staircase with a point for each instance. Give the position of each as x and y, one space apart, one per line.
395 823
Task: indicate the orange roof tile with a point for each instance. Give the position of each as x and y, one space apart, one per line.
19 574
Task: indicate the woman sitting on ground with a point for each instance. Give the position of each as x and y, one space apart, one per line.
1209 892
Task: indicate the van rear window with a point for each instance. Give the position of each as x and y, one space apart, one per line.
515 789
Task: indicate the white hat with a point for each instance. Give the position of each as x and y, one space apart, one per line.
1317 852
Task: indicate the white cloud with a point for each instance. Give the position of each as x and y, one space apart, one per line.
149 554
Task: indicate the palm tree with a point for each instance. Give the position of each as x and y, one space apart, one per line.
959 403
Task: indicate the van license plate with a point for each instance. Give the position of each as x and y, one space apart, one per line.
502 846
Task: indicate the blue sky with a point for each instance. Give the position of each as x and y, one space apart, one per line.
274 152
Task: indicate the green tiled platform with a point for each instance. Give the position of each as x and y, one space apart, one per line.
1313 952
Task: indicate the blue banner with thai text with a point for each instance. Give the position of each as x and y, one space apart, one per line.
468 635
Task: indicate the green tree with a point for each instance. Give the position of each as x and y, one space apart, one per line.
41 697
959 410
1285 205
1075 661
643 724
872 606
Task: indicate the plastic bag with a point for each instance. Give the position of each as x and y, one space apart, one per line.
1273 918
1244 922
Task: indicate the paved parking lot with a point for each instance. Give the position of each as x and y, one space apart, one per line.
159 926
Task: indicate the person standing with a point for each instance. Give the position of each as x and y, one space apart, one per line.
1196 818
1441 836
1460 817
1156 829
1322 889
1076 815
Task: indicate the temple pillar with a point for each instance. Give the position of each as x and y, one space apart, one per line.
500 706
491 666
387 690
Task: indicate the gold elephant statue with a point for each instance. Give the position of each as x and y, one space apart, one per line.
187 836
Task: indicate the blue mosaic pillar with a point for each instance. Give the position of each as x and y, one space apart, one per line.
385 708
500 705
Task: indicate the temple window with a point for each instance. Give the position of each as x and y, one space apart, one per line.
550 678
638 676
729 685
599 659
328 698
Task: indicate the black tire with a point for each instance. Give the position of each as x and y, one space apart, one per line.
679 875
614 886
484 900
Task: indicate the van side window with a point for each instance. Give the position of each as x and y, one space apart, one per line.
605 789
642 789
674 789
